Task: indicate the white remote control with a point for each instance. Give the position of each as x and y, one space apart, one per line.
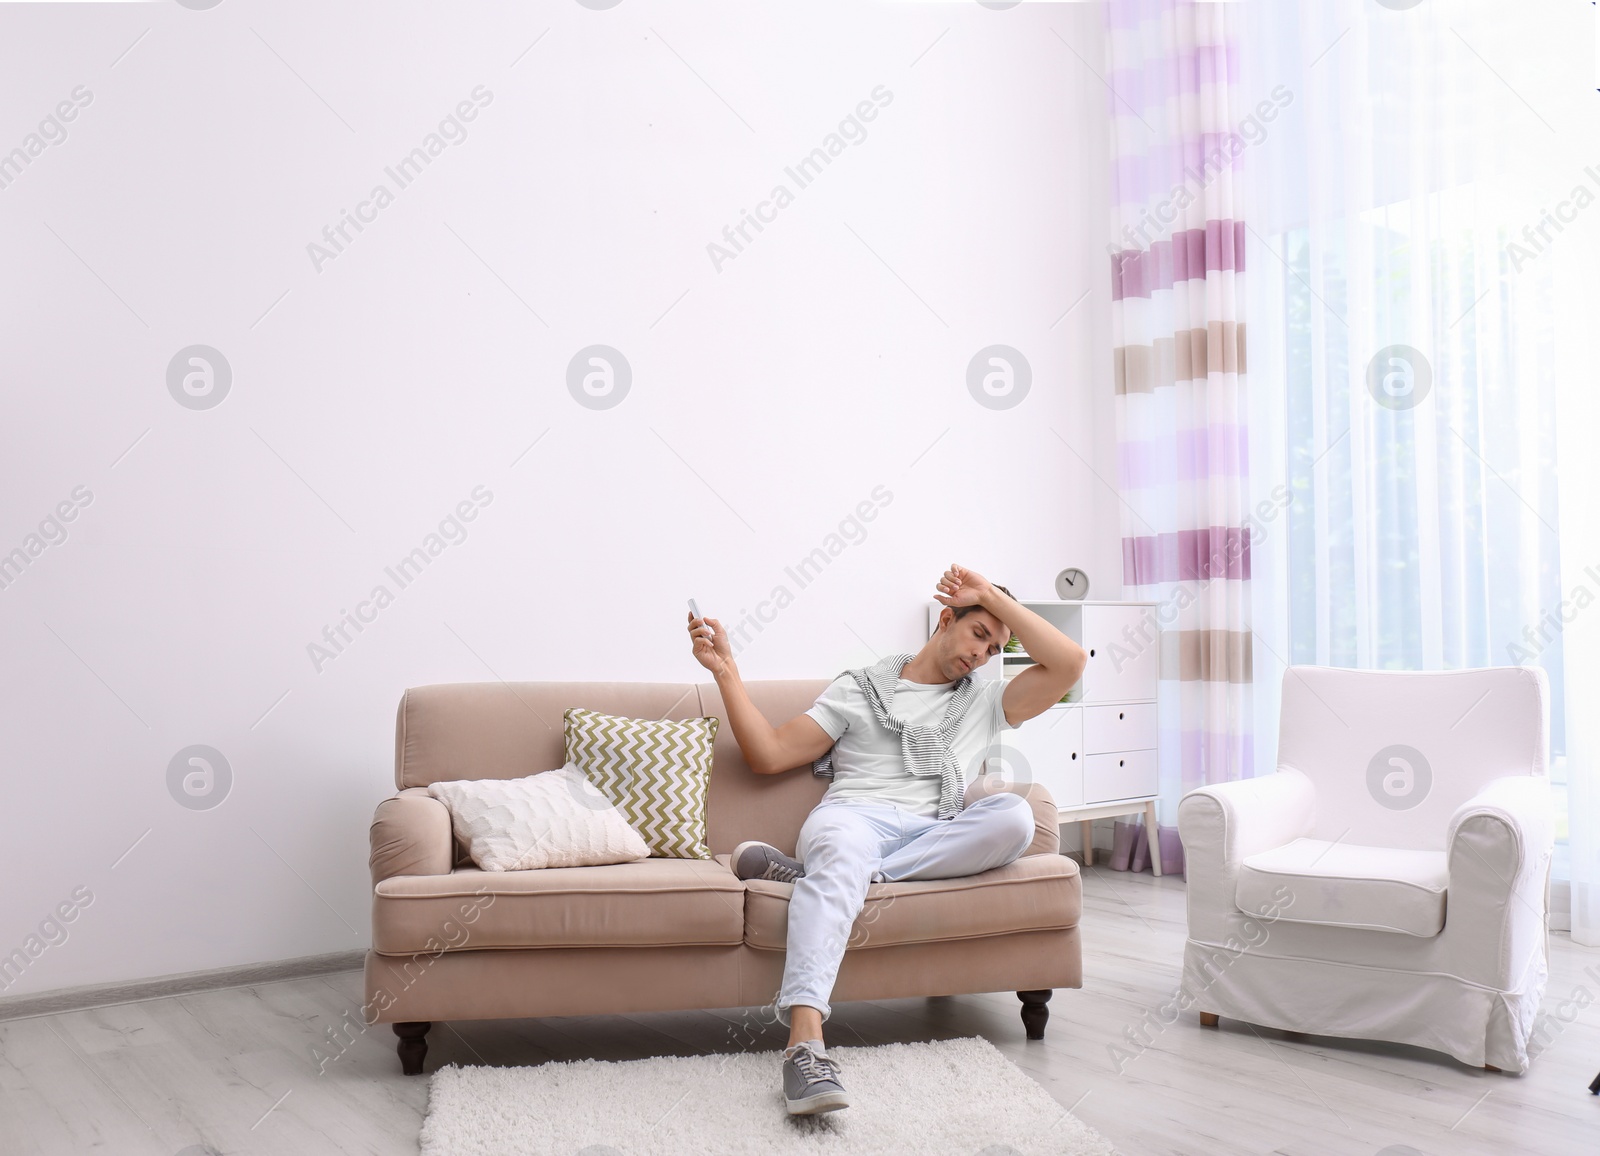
695 610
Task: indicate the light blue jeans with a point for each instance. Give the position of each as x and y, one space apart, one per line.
848 844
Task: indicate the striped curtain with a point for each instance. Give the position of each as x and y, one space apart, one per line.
1179 339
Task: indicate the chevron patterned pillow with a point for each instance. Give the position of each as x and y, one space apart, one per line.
654 771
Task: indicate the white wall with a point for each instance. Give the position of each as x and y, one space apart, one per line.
369 397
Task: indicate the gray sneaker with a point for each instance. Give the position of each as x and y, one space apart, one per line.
754 859
811 1082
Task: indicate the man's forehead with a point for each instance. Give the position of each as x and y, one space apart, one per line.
990 623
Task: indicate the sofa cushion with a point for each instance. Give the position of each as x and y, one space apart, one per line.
552 819
1035 892
654 770
647 903
1342 885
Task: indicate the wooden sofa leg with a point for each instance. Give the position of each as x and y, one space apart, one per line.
1208 1019
413 1046
1034 1012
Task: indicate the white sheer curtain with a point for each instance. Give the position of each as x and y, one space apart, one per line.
1422 248
1576 348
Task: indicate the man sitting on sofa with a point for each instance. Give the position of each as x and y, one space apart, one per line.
894 738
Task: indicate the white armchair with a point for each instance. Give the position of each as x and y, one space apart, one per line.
1390 880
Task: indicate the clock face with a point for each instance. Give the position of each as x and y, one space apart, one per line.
1072 584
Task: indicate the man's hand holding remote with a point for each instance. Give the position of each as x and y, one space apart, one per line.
711 648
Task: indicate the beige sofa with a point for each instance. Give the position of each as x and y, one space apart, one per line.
451 942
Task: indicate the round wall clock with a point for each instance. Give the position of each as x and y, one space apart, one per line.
1072 585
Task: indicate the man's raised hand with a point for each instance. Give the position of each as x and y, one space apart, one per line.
962 587
711 648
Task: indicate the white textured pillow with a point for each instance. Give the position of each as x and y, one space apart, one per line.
552 819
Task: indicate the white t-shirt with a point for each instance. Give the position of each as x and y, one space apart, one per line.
868 762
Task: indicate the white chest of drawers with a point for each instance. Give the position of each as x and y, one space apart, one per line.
1096 753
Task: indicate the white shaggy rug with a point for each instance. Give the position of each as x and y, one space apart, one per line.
961 1097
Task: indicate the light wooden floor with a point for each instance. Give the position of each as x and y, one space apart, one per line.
233 1069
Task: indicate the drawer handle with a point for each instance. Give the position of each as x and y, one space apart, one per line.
1119 714
1074 754
1119 762
1091 652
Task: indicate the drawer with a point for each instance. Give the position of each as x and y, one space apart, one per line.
1118 775
1048 750
1119 728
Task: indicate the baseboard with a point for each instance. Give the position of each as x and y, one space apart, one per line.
16 1007
1072 840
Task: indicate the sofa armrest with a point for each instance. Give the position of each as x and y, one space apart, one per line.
1500 843
1046 815
1223 824
411 835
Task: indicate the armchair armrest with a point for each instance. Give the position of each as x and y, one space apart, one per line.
1223 824
1238 819
411 835
1046 815
1500 844
1522 807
